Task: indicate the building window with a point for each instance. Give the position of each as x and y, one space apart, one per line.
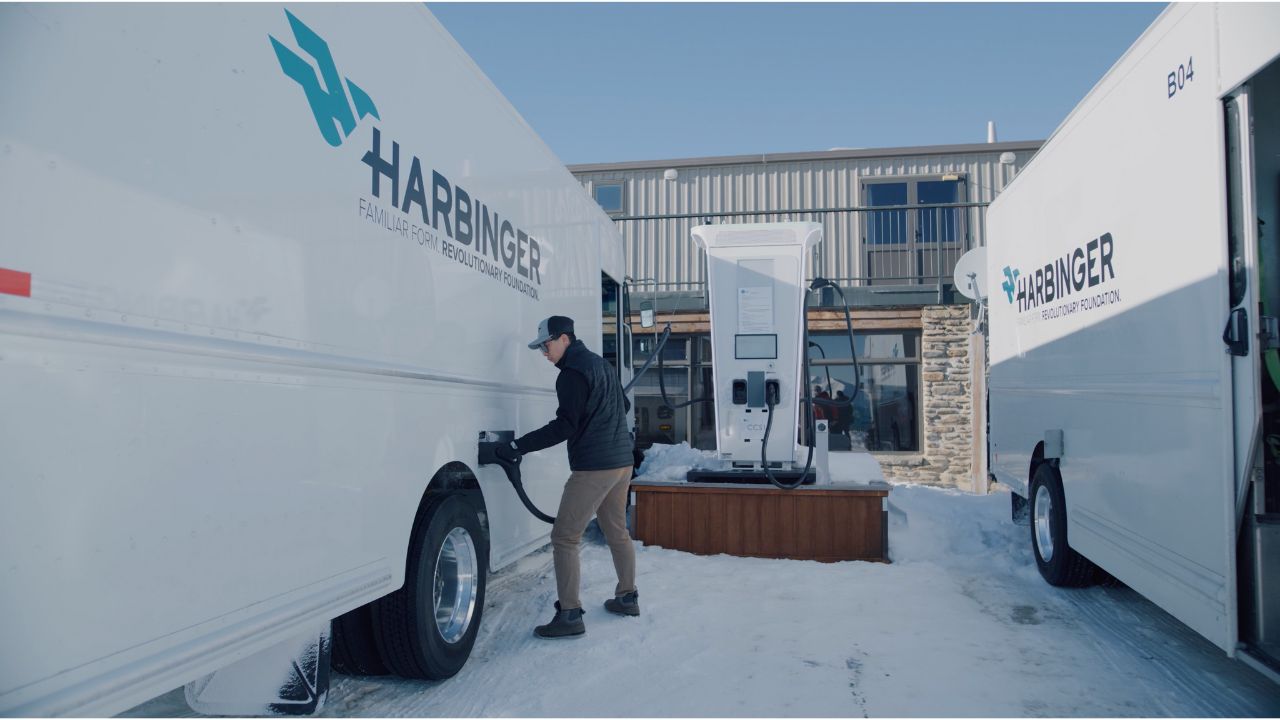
939 224
610 197
886 227
885 415
913 244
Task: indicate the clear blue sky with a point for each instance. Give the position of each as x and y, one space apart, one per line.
617 82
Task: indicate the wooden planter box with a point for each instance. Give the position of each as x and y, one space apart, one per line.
826 523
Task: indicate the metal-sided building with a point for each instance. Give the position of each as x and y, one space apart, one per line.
895 222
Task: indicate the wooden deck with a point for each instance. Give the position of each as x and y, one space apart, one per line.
826 522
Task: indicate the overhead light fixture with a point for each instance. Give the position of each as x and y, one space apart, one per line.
670 174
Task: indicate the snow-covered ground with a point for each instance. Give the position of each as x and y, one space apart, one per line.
960 624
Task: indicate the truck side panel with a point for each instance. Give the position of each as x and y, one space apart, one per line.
258 323
1122 214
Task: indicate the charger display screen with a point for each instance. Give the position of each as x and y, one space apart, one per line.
755 347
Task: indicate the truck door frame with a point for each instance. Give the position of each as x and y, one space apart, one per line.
1242 285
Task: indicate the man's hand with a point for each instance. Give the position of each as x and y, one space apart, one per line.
508 453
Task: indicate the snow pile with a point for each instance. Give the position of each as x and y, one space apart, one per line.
954 528
854 467
670 463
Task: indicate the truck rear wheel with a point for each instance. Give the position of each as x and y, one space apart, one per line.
355 652
1058 563
426 629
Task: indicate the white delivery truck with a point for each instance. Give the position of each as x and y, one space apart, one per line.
1134 275
266 277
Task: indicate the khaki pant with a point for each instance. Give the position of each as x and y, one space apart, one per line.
602 493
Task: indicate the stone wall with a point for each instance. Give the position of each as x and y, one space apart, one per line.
947 421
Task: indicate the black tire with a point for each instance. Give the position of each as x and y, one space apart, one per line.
355 652
1064 567
408 636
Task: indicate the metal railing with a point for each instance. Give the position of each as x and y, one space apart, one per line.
884 249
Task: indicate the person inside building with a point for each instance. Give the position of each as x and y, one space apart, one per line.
592 419
843 414
820 412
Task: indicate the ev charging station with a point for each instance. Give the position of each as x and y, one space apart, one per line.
756 296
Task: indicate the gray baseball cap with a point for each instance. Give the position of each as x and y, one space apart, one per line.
551 328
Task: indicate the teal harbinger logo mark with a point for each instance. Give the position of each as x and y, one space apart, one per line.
1010 282
329 103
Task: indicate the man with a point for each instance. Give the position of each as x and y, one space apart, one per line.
820 411
592 417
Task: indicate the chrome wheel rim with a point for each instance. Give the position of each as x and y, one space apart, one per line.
455 584
1044 538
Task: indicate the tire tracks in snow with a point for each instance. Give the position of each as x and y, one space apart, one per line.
1126 628
1150 649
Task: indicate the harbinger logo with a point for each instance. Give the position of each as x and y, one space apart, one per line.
329 103
1087 266
407 196
1010 277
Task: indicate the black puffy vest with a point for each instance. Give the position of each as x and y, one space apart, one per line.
602 441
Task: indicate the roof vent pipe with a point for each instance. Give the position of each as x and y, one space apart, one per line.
991 131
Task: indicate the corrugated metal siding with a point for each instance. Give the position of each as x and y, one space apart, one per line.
664 251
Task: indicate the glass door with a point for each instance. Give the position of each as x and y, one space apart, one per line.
904 244
886 234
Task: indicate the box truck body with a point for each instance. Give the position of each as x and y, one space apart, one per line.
267 274
1144 226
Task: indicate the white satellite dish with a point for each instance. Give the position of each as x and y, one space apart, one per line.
971 274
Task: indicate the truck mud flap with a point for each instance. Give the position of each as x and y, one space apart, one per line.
289 678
